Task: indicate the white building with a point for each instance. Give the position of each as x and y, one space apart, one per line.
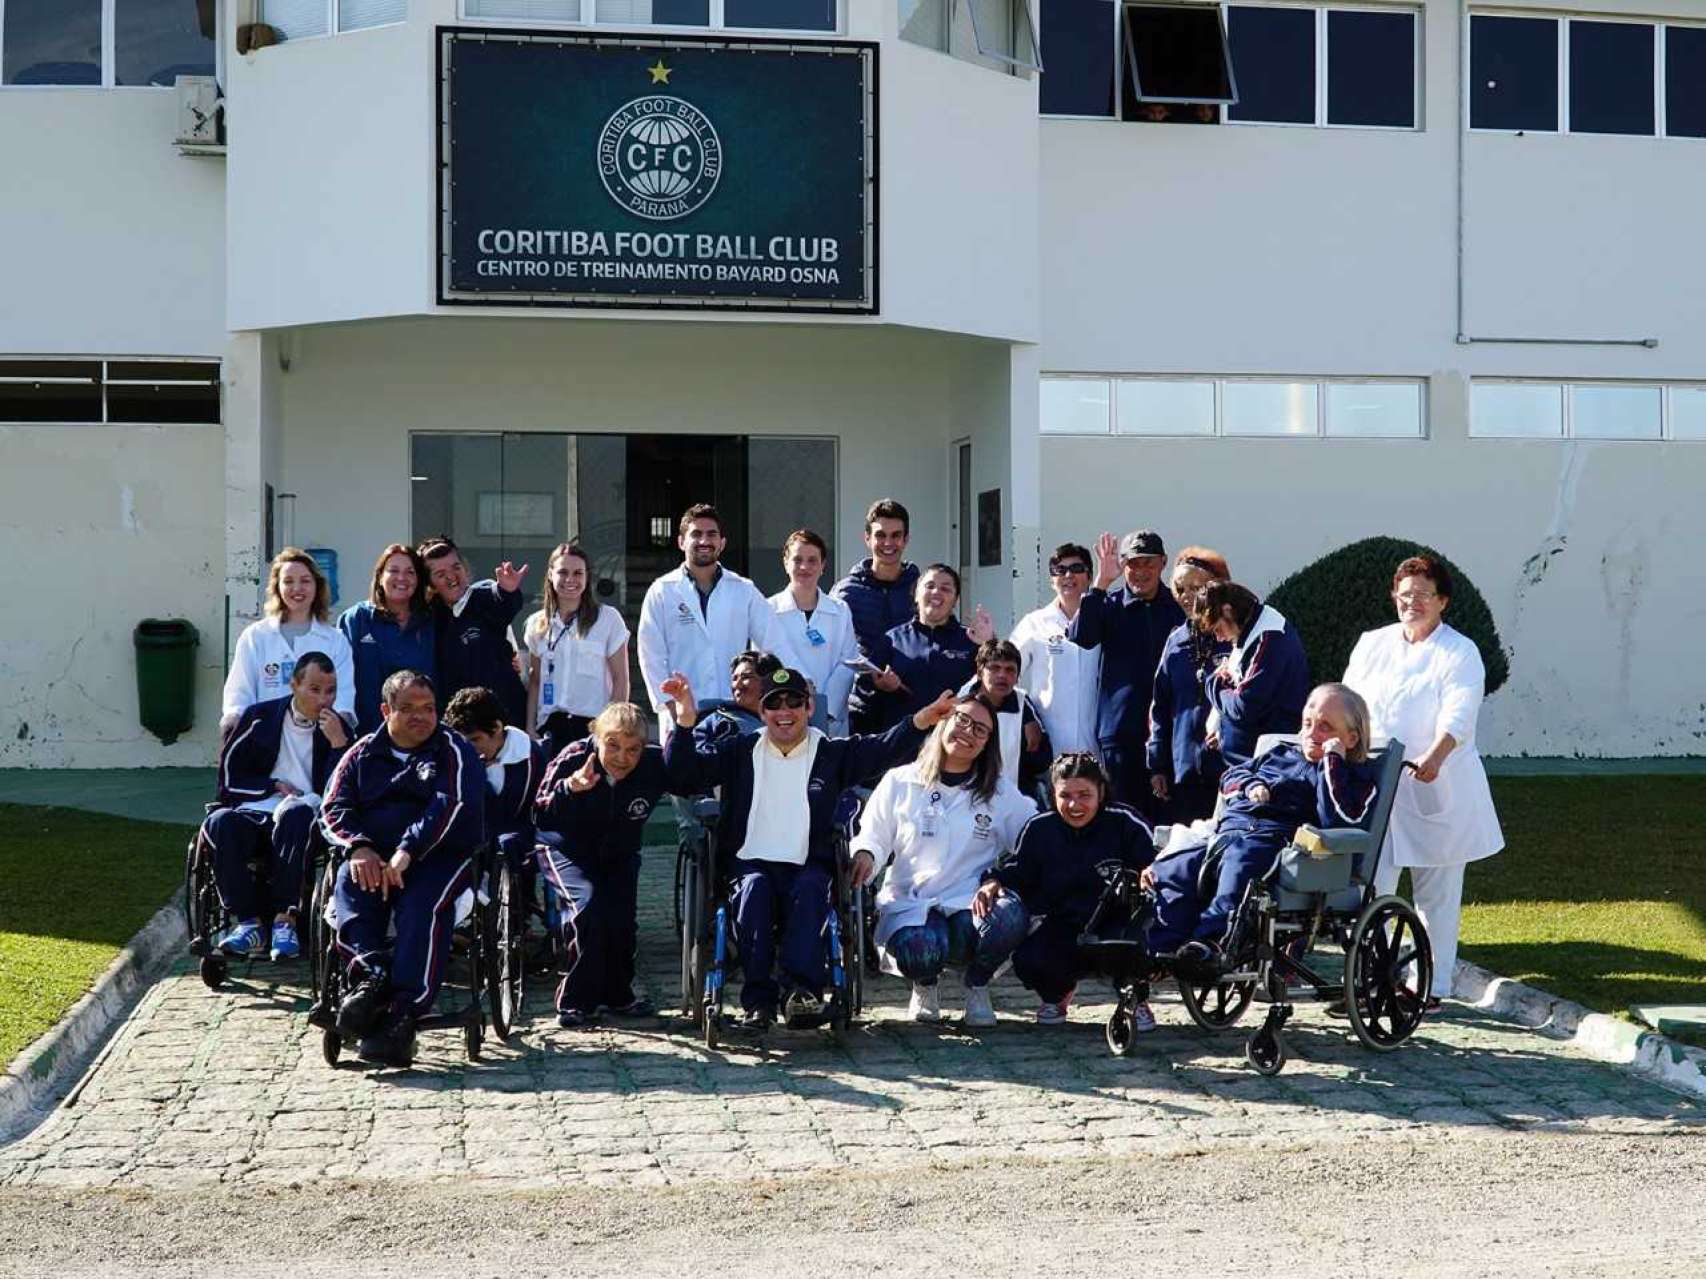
1432 274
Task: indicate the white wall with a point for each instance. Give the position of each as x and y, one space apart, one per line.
111 243
104 526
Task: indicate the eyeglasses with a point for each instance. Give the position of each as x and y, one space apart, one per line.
1415 597
1061 570
966 724
785 701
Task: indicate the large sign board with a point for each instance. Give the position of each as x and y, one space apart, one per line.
581 170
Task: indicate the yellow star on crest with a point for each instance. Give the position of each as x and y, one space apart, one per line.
660 73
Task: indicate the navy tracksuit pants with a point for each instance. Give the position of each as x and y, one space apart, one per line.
242 837
799 895
424 912
1234 859
597 929
1048 960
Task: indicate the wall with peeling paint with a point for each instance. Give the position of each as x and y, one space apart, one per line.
104 526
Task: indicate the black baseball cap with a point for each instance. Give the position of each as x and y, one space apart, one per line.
782 680
1143 542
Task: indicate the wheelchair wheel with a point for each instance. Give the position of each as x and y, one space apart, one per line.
213 971
331 1045
712 1024
504 963
1265 1050
1216 1005
1388 973
203 911
1121 1031
683 882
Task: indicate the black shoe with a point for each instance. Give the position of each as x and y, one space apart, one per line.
575 1019
638 1007
757 1021
393 1044
361 1009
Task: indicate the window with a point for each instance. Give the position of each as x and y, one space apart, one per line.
1587 410
998 34
60 42
93 391
1371 69
1078 37
1513 73
1002 31
672 13
297 19
1177 53
1273 54
1611 78
353 15
789 15
1203 406
925 22
1685 82
524 10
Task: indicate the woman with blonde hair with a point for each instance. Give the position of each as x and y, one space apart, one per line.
297 602
391 630
579 653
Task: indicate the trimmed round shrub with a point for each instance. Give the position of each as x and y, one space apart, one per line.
1342 594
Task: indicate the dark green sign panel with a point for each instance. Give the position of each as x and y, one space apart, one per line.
685 173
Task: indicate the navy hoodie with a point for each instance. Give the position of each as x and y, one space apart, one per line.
1269 691
1132 632
246 759
474 649
432 798
1052 869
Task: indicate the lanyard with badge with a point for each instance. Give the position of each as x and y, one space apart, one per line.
548 693
814 637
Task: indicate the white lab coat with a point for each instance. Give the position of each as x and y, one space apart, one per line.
1063 679
1415 692
263 661
823 663
675 635
940 871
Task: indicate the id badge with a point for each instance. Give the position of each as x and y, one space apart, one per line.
548 694
929 823
815 636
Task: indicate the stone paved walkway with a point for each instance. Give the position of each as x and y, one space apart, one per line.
230 1087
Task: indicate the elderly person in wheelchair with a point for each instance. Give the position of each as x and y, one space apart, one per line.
406 809
1323 778
273 767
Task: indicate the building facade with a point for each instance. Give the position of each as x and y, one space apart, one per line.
1272 277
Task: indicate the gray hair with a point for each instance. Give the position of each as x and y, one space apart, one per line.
1356 716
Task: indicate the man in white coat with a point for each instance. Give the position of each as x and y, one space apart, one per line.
1061 678
695 619
1423 682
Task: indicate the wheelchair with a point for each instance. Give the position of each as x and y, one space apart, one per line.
1121 957
206 915
489 968
708 951
1321 888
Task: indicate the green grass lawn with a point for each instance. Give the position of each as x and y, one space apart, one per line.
1600 894
74 888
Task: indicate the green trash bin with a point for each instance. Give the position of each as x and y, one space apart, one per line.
165 675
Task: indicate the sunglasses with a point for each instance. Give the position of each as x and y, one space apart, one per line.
1061 570
785 701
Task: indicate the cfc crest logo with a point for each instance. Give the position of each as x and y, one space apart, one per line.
659 157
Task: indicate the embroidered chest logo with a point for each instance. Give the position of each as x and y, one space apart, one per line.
638 809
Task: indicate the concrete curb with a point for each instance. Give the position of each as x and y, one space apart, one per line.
48 1069
1641 1051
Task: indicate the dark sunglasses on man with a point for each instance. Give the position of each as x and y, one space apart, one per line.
785 701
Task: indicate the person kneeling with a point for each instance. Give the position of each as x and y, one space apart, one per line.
1052 873
1323 777
591 814
273 767
407 804
780 790
938 825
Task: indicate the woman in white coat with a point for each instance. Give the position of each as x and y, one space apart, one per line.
938 824
814 631
1423 681
298 601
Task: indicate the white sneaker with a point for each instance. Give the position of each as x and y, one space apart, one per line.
926 1003
979 1011
1142 1019
1051 1014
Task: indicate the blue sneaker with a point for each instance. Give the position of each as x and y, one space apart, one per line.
243 941
285 944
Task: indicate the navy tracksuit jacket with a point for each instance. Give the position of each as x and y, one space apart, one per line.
509 812
930 660
1266 697
474 649
1132 633
589 853
431 803
877 607
764 890
379 648
1178 721
239 837
1197 891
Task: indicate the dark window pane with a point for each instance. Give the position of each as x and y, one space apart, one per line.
1513 73
52 42
153 402
1611 77
161 371
784 15
1273 58
679 13
1685 82
1177 54
156 41
1078 57
49 391
1371 68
